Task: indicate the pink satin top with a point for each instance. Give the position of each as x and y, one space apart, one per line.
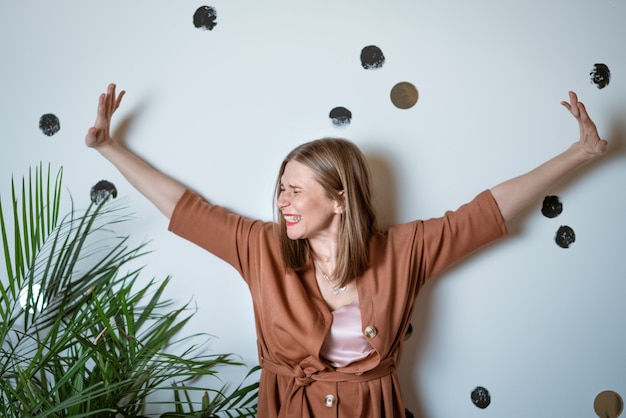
345 342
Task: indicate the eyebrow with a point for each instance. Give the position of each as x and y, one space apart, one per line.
290 186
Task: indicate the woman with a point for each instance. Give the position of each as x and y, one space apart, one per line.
333 296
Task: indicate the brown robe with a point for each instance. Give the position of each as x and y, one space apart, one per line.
292 320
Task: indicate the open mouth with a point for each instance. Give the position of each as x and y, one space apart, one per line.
292 219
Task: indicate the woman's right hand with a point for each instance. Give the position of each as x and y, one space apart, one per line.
99 134
162 190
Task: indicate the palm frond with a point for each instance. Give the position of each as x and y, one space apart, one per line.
81 334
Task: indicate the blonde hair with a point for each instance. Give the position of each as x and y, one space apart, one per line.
339 166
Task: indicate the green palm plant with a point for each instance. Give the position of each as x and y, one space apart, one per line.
80 334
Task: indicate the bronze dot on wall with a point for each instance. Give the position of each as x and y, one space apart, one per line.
204 18
340 116
600 75
404 95
608 404
102 190
49 124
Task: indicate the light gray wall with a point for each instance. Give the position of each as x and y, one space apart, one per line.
539 326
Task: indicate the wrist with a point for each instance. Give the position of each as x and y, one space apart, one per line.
109 147
580 153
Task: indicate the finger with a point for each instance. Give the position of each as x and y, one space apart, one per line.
91 131
90 138
101 112
110 99
119 99
582 110
603 146
573 98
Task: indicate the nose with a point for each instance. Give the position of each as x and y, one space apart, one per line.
282 201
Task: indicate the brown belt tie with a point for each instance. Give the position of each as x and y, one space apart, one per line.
306 373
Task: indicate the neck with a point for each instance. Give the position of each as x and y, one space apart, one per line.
325 252
334 287
325 258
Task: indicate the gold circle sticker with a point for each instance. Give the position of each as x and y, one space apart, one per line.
404 95
608 404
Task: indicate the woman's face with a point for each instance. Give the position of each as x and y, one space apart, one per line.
308 212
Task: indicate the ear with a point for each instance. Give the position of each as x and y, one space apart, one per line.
339 202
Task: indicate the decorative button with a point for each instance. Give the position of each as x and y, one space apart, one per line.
370 331
329 401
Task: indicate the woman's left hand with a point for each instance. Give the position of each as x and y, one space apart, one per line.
590 141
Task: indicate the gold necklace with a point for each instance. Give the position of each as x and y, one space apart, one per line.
335 290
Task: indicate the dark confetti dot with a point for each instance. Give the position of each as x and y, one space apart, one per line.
565 236
340 116
372 57
404 95
552 207
600 75
102 190
49 124
480 397
204 18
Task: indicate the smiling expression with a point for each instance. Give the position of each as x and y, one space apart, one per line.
307 210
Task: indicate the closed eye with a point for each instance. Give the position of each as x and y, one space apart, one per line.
292 189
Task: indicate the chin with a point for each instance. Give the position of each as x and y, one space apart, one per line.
294 236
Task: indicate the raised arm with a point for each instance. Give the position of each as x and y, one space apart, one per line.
163 191
514 195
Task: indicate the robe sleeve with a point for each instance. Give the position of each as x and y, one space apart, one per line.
458 233
223 233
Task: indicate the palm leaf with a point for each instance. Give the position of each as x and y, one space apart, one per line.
93 341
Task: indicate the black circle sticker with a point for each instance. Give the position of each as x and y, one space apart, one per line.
372 57
565 236
49 124
204 18
102 190
480 397
552 207
340 116
600 75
